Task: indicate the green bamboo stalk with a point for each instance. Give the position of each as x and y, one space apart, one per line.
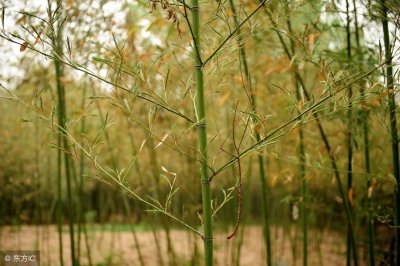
62 122
324 139
59 217
137 244
62 118
304 192
80 180
393 122
302 154
304 189
158 246
81 223
365 125
202 135
236 244
253 99
349 132
371 226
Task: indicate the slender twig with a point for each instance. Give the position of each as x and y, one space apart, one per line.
227 38
294 119
238 187
253 103
141 95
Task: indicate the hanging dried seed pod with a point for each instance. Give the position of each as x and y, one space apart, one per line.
175 17
171 13
153 5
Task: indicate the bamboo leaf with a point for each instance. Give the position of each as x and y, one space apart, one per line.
162 141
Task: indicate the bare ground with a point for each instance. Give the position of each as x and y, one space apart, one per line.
324 248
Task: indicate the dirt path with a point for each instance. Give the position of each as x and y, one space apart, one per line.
120 246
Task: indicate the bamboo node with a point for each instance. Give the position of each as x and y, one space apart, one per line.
206 181
201 124
207 239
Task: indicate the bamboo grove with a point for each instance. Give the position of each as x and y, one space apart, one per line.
174 132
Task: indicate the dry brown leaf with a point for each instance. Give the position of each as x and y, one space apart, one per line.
350 195
20 20
370 190
37 38
23 46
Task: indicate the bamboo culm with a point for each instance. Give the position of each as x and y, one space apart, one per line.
202 136
349 133
393 123
62 117
302 154
365 125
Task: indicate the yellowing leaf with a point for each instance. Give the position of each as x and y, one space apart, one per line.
223 98
311 40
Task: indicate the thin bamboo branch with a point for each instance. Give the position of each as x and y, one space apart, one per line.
141 95
294 119
227 38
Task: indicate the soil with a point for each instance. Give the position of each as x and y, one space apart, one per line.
119 248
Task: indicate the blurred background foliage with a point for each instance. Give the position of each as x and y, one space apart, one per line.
139 52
